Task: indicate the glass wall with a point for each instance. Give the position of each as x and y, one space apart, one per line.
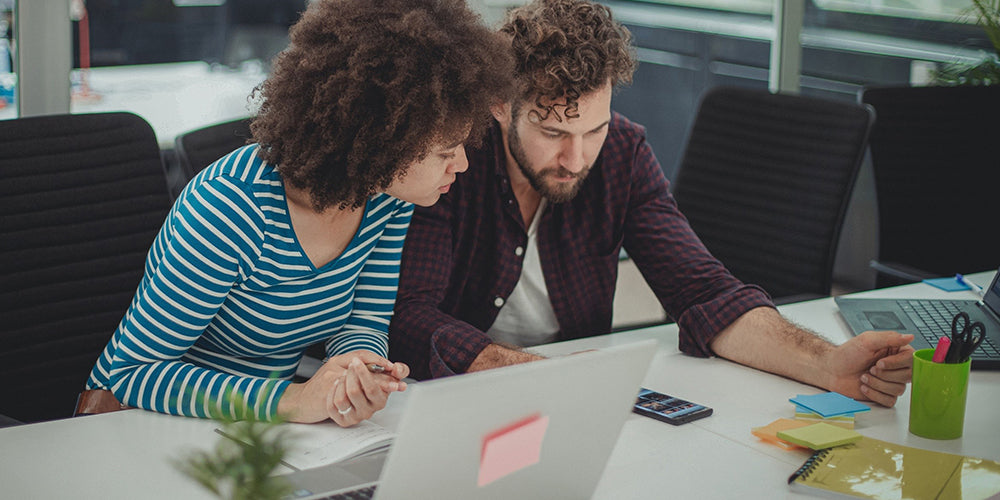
750 6
180 64
940 10
936 10
7 79
228 32
688 46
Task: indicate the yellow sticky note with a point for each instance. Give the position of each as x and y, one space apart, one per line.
819 436
845 421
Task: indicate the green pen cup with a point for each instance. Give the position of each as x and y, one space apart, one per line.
937 397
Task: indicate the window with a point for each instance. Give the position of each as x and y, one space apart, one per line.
7 79
747 6
936 10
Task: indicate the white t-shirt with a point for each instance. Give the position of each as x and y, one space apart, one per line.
527 318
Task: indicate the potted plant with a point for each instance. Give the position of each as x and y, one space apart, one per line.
242 464
987 70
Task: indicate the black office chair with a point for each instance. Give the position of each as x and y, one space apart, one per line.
937 171
765 180
197 149
81 200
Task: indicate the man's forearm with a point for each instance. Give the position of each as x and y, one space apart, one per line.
765 340
497 355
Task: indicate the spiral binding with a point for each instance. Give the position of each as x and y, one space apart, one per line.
810 465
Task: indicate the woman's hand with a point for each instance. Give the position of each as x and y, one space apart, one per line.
344 390
359 392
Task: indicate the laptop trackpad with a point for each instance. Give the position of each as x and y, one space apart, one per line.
884 320
334 477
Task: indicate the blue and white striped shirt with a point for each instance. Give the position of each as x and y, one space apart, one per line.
229 300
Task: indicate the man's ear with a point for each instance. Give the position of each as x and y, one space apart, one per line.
501 111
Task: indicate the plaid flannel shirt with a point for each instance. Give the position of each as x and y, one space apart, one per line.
463 256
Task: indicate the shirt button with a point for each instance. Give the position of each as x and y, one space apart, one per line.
498 301
510 201
519 251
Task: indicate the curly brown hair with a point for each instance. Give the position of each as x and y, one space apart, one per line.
365 88
567 48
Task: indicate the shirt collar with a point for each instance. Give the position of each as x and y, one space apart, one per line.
499 157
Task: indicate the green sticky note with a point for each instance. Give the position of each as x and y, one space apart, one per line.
819 436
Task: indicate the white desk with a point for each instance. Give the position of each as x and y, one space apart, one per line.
127 454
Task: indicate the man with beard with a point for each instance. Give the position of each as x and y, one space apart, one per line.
524 250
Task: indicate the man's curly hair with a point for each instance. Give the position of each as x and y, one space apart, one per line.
365 88
566 48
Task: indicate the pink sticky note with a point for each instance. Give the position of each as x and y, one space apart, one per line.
512 448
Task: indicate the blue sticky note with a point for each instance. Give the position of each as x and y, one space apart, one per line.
802 409
829 404
947 284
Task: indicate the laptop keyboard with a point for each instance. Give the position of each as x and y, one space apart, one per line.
933 319
365 493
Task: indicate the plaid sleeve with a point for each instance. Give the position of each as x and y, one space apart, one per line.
433 343
692 286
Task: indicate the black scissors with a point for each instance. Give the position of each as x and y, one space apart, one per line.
966 335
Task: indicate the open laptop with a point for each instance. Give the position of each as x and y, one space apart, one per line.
929 319
537 430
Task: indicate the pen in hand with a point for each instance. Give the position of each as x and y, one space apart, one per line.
972 286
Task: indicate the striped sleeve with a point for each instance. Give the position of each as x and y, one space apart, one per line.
211 237
375 292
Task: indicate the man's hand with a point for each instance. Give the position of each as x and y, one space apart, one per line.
874 366
496 355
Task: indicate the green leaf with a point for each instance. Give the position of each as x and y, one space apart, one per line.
241 465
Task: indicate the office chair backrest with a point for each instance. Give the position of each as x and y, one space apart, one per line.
765 180
81 200
197 149
936 161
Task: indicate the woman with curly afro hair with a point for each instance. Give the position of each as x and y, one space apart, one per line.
296 239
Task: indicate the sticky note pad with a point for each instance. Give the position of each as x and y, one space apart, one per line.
829 404
769 432
819 436
808 417
512 448
947 284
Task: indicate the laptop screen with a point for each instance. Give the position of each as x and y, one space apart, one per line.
992 297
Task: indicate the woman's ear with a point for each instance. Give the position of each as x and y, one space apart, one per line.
501 111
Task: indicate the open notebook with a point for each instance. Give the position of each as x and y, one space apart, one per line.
879 470
537 430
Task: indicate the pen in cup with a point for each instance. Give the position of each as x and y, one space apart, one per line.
972 286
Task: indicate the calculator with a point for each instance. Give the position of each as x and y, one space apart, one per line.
667 408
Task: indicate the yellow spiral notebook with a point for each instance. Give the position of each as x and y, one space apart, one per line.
876 469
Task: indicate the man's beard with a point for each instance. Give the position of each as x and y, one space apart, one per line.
536 178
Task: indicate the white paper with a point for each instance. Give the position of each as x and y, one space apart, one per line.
324 443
